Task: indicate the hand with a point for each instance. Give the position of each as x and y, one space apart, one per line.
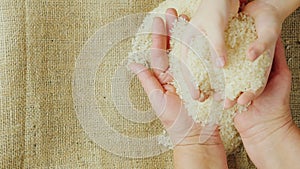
169 108
166 103
268 23
210 19
157 84
269 16
267 124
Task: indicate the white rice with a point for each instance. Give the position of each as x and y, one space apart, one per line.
240 74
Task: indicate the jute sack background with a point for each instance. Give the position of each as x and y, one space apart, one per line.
39 43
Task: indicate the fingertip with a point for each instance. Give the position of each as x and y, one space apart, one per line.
171 11
169 88
221 61
156 21
184 17
218 57
201 97
252 55
229 103
171 16
255 50
195 94
221 55
235 5
245 98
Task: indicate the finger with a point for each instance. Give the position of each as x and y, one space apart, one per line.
214 57
203 96
189 34
267 32
245 98
258 47
187 37
165 78
171 17
229 103
216 39
184 17
169 88
280 78
234 9
146 77
159 58
193 89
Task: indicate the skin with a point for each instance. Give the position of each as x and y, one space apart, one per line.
191 150
268 15
270 137
212 25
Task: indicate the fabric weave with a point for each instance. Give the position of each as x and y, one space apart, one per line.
40 41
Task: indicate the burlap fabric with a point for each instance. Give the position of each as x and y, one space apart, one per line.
40 41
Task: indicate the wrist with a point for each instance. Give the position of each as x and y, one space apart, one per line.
279 150
193 153
200 156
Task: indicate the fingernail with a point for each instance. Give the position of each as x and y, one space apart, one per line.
225 105
220 62
251 55
202 97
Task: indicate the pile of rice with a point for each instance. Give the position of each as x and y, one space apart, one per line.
239 74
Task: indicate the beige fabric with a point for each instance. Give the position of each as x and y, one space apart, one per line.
39 43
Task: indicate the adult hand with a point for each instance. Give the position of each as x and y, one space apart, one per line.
269 16
268 23
267 130
210 19
169 108
156 82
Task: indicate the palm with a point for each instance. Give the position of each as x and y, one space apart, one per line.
271 108
156 83
162 95
268 27
173 107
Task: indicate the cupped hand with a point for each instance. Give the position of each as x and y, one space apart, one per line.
268 16
169 108
268 24
211 19
268 119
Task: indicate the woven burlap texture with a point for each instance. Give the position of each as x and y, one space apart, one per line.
39 43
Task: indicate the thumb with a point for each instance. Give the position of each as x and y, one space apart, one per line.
266 39
268 27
